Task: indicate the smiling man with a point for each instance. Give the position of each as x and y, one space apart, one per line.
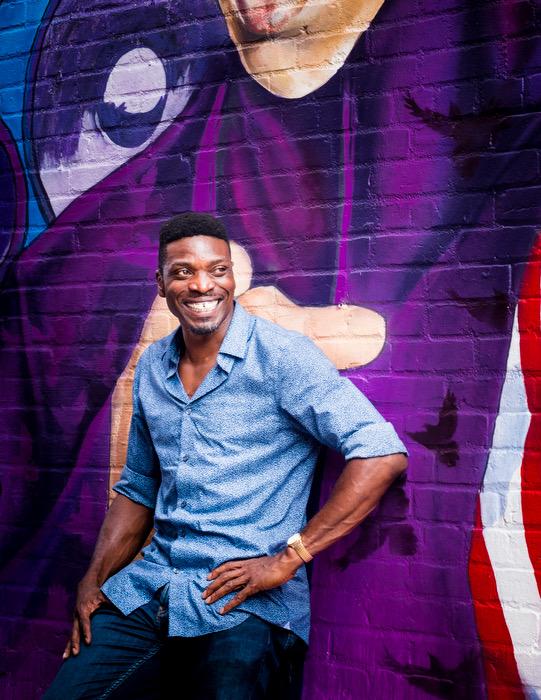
229 412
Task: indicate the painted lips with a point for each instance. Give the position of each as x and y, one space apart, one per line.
269 17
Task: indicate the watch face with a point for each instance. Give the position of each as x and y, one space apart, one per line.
293 539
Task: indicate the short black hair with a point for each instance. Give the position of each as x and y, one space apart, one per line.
190 223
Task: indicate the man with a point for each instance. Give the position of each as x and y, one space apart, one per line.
228 415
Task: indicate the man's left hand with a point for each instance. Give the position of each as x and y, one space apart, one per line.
250 576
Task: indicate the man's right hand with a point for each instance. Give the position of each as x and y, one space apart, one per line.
89 599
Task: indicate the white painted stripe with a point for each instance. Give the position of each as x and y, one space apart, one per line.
503 525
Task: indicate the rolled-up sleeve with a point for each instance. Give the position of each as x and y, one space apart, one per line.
330 407
140 477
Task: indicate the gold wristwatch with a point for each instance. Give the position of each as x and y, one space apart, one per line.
296 543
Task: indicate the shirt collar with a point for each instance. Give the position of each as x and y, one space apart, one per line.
234 344
238 334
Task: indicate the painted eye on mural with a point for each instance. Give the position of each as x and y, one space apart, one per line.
134 98
101 92
135 101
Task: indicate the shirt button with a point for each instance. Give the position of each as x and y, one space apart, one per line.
188 411
184 458
183 504
175 571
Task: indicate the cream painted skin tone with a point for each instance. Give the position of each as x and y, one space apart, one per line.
293 47
199 270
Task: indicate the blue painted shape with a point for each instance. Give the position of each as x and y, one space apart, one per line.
19 22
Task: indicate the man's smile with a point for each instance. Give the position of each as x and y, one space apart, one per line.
202 307
198 284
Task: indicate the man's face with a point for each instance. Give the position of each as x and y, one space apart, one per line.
197 282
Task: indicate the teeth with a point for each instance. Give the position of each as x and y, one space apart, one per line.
202 306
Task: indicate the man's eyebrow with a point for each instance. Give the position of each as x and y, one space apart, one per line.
189 263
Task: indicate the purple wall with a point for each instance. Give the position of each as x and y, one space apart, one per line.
406 183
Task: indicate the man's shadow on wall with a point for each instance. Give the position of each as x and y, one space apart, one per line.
386 524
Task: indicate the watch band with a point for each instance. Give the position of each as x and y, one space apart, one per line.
296 543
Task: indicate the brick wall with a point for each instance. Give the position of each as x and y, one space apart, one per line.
377 168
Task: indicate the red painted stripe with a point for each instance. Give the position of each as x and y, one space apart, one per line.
501 672
529 310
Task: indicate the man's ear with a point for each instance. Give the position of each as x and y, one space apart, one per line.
161 286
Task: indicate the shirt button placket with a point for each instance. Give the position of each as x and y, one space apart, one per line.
185 454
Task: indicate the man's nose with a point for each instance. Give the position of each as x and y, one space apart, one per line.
201 282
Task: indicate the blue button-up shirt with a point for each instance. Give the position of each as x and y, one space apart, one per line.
228 471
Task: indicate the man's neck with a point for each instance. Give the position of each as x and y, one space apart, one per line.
202 349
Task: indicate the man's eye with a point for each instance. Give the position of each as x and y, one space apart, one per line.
220 270
182 272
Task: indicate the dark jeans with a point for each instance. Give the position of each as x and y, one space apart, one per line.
131 658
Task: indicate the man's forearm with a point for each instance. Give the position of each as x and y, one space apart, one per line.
356 493
124 530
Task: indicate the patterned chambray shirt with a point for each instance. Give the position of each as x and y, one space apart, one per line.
228 471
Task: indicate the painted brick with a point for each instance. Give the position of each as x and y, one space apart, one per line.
519 205
470 283
454 210
423 35
445 355
460 64
430 504
407 184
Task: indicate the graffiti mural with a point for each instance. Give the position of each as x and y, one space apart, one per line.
376 167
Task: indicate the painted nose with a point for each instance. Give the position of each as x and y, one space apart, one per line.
201 282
